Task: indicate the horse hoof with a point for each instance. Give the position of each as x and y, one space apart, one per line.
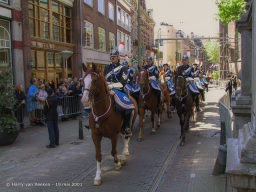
123 162
153 132
158 125
139 139
97 182
127 153
118 167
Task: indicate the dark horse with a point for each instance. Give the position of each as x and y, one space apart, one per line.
147 101
104 120
184 104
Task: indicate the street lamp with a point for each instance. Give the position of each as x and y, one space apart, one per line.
66 54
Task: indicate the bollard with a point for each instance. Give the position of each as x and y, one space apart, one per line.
223 133
81 134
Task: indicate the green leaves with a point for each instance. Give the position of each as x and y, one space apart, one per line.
230 10
215 75
7 102
212 50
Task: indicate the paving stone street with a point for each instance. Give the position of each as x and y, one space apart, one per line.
157 163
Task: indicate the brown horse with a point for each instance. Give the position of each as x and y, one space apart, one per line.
166 94
184 104
147 101
104 120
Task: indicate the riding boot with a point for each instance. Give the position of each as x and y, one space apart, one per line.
203 95
197 104
173 104
127 124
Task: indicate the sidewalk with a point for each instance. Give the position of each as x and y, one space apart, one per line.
191 167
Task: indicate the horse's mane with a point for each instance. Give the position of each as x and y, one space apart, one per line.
101 77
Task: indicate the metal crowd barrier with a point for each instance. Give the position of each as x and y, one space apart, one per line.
70 106
225 114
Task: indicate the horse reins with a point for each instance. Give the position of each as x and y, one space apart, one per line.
182 91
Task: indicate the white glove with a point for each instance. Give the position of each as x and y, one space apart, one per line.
152 78
167 78
115 85
189 79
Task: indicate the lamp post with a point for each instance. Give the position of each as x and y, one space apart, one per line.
139 37
66 54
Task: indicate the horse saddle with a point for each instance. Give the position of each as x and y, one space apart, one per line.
193 88
122 101
155 85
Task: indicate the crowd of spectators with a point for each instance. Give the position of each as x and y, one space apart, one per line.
68 93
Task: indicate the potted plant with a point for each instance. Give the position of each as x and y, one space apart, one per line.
8 124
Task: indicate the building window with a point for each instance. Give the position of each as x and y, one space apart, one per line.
128 43
119 37
102 41
124 40
89 2
4 1
111 42
119 14
46 13
101 6
111 11
50 60
5 44
89 34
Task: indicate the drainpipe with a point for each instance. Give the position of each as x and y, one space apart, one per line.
81 30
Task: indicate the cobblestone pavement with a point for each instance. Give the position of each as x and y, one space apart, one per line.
191 168
27 162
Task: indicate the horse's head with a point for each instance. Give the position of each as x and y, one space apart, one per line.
142 77
94 85
180 86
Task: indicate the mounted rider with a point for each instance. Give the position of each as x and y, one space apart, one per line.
117 77
187 73
196 73
154 77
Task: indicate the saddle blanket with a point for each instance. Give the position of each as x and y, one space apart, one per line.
173 93
199 85
122 101
170 85
193 88
155 85
132 88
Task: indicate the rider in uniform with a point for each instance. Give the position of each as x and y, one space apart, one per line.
116 73
168 75
195 72
187 73
154 75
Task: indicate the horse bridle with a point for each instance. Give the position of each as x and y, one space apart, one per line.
93 93
179 88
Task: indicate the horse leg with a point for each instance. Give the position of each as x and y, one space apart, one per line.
182 131
159 117
153 122
142 111
97 140
125 151
114 152
168 103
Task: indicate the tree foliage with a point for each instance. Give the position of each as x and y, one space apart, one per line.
230 10
212 50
